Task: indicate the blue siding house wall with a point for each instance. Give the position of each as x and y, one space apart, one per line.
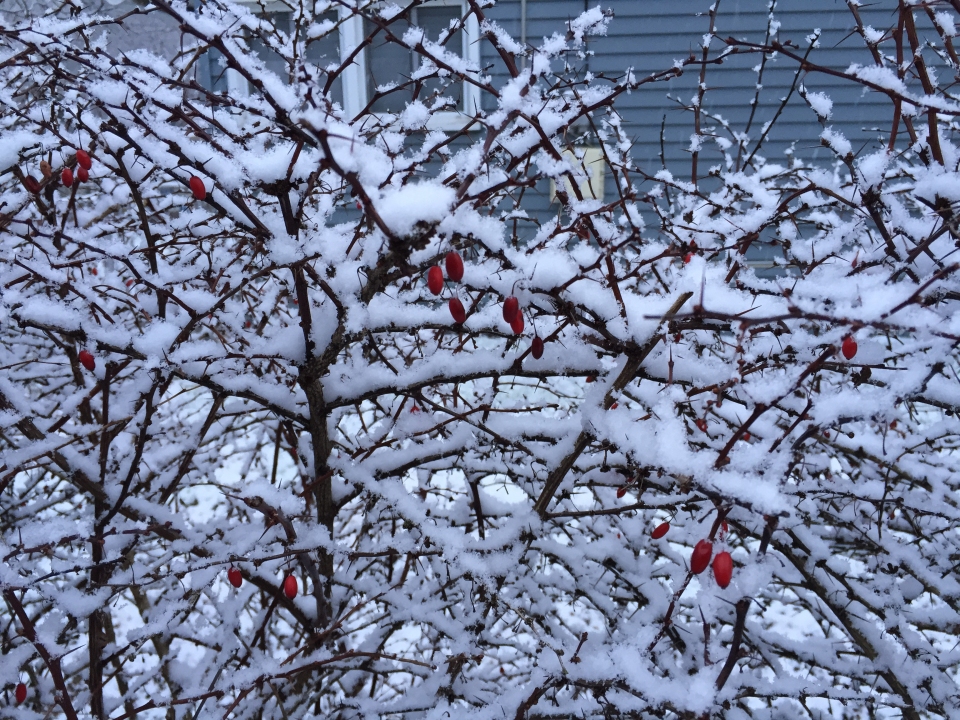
650 35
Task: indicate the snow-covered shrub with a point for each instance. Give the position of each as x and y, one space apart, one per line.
220 353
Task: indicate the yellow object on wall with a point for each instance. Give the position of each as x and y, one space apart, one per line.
590 162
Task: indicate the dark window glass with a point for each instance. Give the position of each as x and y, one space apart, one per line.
273 61
321 52
389 62
325 51
434 21
212 74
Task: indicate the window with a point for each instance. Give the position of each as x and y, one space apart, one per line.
321 51
380 64
390 63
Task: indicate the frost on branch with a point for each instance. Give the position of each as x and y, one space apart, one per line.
252 465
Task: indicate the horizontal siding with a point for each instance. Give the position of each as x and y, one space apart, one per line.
650 35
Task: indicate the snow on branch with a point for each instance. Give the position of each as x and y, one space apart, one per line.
309 408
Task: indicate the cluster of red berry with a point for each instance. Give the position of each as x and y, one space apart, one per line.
84 164
66 175
722 563
454 264
512 314
289 582
702 552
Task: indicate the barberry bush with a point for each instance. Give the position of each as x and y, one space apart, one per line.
307 414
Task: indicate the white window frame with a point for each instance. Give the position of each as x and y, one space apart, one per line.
354 76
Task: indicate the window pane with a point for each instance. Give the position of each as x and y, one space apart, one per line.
211 74
208 71
389 62
320 52
434 21
324 51
273 60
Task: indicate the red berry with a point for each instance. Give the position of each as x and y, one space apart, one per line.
615 406
457 311
454 266
83 160
66 177
517 324
86 359
536 348
723 568
590 378
701 556
621 492
746 437
701 424
511 308
359 206
849 347
687 258
31 184
660 530
197 188
82 175
21 693
290 587
435 280
235 577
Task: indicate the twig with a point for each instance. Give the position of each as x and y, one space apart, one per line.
742 606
